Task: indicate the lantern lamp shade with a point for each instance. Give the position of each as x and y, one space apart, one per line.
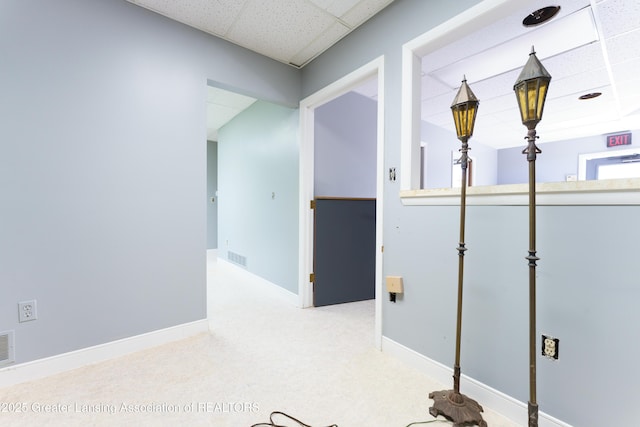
464 109
531 90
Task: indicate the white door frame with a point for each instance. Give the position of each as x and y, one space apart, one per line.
305 224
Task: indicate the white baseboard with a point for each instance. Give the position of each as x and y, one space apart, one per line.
503 404
290 297
29 371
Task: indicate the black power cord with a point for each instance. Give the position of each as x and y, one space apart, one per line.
272 423
428 422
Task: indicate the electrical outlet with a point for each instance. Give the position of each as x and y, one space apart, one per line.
550 347
27 311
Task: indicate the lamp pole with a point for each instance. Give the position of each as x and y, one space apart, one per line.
531 151
453 405
531 91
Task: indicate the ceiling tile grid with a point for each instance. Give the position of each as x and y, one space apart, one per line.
302 21
323 4
493 35
608 65
328 37
575 62
623 48
290 31
340 7
211 16
363 11
618 16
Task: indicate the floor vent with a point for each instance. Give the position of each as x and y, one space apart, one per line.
237 259
6 348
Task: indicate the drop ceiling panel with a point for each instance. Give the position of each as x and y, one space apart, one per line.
618 16
575 62
494 35
332 35
289 31
322 4
432 107
214 17
439 117
432 87
626 71
339 8
496 86
497 104
568 103
629 91
575 85
624 47
364 10
608 63
292 26
512 24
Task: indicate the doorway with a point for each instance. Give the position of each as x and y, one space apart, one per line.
373 70
212 194
613 164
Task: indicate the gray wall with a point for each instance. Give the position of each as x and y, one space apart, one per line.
587 284
345 147
103 167
258 191
557 160
212 197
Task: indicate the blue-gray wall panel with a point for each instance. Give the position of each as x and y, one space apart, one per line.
345 147
103 167
557 160
258 191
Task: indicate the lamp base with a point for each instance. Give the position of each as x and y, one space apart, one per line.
458 408
533 414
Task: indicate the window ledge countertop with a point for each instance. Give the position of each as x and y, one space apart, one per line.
604 192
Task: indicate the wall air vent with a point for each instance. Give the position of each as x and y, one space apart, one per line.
237 258
6 348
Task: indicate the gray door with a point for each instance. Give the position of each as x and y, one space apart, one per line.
344 250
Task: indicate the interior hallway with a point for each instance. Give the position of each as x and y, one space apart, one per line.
262 355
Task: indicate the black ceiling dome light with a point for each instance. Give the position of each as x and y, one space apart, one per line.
590 95
540 16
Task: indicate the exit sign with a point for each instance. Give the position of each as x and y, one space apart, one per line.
619 139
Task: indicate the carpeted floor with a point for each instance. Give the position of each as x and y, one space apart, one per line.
262 355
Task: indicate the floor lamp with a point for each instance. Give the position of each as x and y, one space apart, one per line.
453 405
531 91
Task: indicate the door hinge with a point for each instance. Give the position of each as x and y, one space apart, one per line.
312 204
312 277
